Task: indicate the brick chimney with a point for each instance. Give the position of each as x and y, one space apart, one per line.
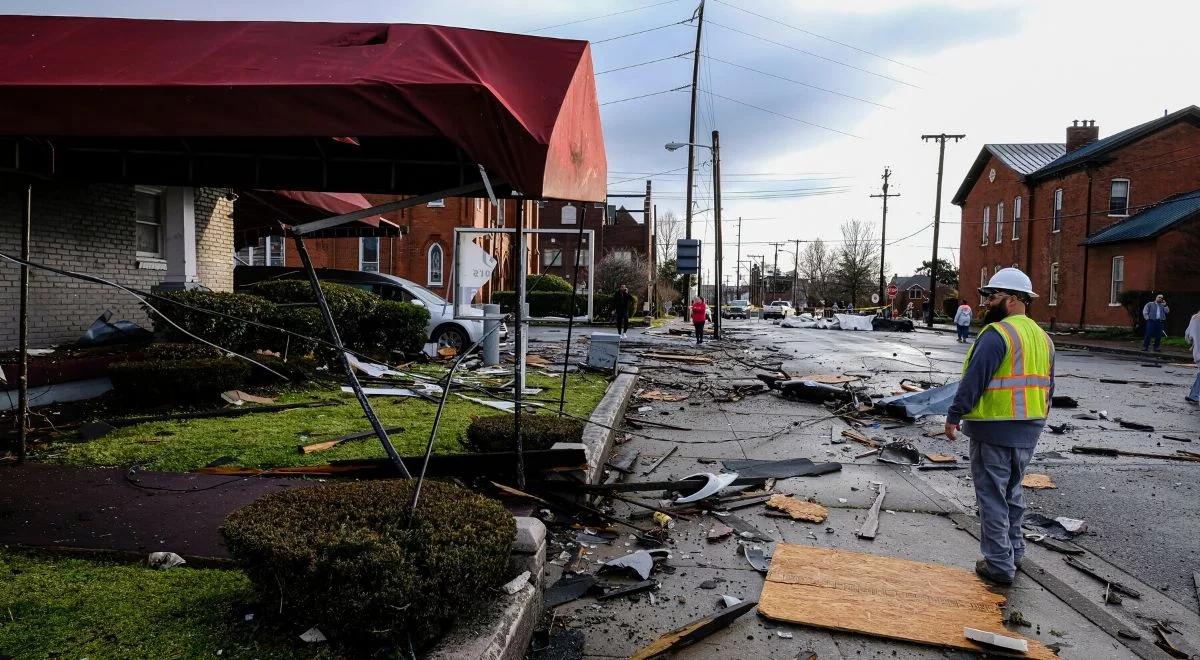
1081 133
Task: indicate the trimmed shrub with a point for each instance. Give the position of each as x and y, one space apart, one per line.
180 351
226 332
497 432
350 306
542 303
303 320
397 326
547 282
344 557
298 369
178 380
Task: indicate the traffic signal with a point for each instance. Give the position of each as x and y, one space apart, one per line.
687 256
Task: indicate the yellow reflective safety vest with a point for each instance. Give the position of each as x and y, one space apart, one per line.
1020 388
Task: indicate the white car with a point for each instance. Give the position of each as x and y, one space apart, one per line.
777 309
443 328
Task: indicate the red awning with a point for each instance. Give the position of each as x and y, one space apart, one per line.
270 105
257 213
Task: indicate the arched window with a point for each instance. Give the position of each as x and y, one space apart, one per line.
433 266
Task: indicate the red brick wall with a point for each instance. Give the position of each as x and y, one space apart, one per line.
1155 170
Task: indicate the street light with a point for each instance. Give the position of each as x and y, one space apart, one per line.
716 153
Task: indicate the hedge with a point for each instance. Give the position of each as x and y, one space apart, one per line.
180 351
497 432
543 303
548 282
178 380
226 332
397 326
343 556
350 307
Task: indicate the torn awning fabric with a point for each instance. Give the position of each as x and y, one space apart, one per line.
404 109
258 213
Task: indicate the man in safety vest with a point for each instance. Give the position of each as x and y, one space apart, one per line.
1004 397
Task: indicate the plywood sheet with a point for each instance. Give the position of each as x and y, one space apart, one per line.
873 595
798 509
1038 481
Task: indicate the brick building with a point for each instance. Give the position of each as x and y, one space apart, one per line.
140 236
424 253
1089 218
617 232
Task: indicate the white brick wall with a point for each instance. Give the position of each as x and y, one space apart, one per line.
90 229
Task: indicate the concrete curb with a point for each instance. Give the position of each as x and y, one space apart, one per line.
1161 357
504 631
598 436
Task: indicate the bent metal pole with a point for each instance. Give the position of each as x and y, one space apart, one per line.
341 351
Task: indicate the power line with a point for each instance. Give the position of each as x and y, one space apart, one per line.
823 37
798 82
812 54
596 18
780 114
633 34
912 234
645 175
642 96
634 66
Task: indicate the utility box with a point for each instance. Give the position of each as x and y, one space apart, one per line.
604 350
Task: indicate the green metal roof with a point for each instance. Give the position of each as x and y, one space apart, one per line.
1151 221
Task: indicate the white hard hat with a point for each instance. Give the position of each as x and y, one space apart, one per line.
1010 279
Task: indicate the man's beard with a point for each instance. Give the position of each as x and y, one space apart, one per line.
994 314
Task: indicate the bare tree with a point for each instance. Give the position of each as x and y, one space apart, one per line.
616 269
857 260
667 231
817 265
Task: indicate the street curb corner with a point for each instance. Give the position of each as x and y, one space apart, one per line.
598 435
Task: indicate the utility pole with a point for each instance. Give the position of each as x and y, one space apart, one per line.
937 218
716 150
887 172
691 171
775 269
795 272
738 266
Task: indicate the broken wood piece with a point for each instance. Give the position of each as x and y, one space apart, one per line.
623 459
1038 481
860 438
678 357
871 525
238 397
1105 451
659 462
882 596
692 632
330 444
719 531
828 379
867 453
997 640
798 509
628 590
650 422
1088 570
1177 438
933 434
743 529
656 395
1172 642
911 387
942 458
447 351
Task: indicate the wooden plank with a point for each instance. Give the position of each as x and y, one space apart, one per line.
1038 481
942 458
881 596
798 509
859 438
693 632
678 357
871 525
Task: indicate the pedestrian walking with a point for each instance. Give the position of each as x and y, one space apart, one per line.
1155 312
962 321
1193 337
699 311
1004 398
622 302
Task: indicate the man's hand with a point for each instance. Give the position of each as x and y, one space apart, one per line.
952 431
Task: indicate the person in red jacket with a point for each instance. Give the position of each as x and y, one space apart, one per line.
699 311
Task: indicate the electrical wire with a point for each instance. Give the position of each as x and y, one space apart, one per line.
785 116
596 18
801 83
634 66
642 96
634 34
812 54
822 37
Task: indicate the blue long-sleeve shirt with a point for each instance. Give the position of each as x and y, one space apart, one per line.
986 357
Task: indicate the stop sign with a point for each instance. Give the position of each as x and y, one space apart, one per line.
891 290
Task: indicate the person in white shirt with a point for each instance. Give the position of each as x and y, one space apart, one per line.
1155 313
962 321
1193 337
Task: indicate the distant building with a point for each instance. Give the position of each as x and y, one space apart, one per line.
616 231
1090 218
915 289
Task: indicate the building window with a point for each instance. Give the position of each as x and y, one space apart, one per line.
1000 222
569 214
995 269
434 265
1118 281
149 215
987 223
552 258
915 292
982 283
268 252
1053 284
368 254
1017 218
478 203
1118 198
437 204
585 253
625 256
1057 225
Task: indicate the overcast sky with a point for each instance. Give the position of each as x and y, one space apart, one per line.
999 72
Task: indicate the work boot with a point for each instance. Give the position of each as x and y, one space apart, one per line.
982 570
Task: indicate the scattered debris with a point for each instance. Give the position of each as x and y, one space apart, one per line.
942 458
516 584
238 397
813 391
711 584
692 632
941 466
1172 641
1038 481
164 560
871 525
98 429
900 452
714 483
1061 528
1177 438
758 559
656 395
783 634
798 509
914 405
1057 545
1086 569
1059 429
640 562
729 601
602 537
1063 401
330 444
662 520
997 640
313 636
1017 619
792 467
622 460
628 590
678 357
1137 426
1110 596
568 588
1105 451
654 466
1128 634
719 531
742 528
866 454
860 438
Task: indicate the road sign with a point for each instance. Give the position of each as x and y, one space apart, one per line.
891 290
687 255
874 298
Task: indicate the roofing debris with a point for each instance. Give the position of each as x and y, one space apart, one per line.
1038 481
693 632
870 526
798 509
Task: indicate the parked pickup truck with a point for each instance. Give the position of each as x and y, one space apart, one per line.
737 309
777 309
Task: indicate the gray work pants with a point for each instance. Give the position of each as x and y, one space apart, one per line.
997 473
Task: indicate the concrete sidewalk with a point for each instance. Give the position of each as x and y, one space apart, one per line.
1128 348
920 523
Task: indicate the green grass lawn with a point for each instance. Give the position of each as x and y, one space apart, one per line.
73 608
270 439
